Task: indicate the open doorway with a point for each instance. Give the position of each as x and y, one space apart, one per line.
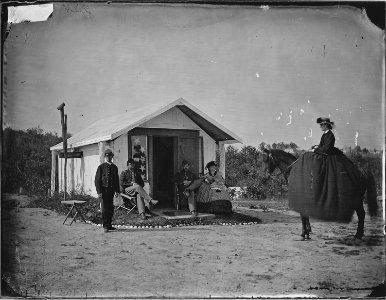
163 170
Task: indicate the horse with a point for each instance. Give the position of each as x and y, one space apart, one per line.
284 161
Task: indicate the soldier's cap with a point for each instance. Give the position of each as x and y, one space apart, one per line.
108 152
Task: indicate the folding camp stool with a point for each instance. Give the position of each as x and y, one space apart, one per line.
75 205
132 201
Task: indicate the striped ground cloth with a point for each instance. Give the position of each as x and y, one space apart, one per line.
324 187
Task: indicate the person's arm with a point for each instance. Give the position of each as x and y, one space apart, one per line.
97 181
209 178
122 181
125 180
218 178
138 179
116 182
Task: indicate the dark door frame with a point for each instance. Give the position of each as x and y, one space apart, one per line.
177 134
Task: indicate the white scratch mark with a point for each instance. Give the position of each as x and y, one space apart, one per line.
348 123
261 133
305 138
290 120
301 111
278 118
308 101
356 138
30 13
336 108
257 75
310 135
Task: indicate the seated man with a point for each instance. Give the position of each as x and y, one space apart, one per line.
132 182
184 179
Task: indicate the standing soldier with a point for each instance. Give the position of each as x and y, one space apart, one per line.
107 186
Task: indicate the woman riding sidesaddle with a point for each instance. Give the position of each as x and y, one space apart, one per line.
324 182
327 142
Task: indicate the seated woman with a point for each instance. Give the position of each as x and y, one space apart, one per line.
212 195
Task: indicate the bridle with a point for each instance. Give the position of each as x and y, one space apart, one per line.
274 160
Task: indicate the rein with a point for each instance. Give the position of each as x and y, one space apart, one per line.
286 170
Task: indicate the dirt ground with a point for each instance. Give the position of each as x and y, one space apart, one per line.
43 257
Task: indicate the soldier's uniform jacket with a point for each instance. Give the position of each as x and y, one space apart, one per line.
184 175
107 177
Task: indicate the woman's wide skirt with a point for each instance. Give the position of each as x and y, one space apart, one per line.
213 201
325 187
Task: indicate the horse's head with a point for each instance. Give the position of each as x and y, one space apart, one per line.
270 162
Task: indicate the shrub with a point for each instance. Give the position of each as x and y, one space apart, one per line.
27 160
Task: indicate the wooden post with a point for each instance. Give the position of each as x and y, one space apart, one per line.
71 170
222 159
54 155
101 146
150 166
63 119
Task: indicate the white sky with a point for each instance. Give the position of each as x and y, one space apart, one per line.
265 74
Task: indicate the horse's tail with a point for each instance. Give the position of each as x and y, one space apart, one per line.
371 189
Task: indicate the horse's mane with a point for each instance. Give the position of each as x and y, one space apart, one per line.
280 153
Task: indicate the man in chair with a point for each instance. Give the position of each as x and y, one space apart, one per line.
184 178
131 183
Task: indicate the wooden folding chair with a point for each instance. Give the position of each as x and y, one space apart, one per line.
131 200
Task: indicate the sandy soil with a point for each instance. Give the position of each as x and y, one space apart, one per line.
43 257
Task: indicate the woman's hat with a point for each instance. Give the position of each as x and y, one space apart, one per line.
210 164
108 152
323 120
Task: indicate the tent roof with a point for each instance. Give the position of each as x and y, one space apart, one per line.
112 127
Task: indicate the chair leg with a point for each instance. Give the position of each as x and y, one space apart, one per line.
69 213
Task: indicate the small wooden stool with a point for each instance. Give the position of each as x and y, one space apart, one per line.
75 205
